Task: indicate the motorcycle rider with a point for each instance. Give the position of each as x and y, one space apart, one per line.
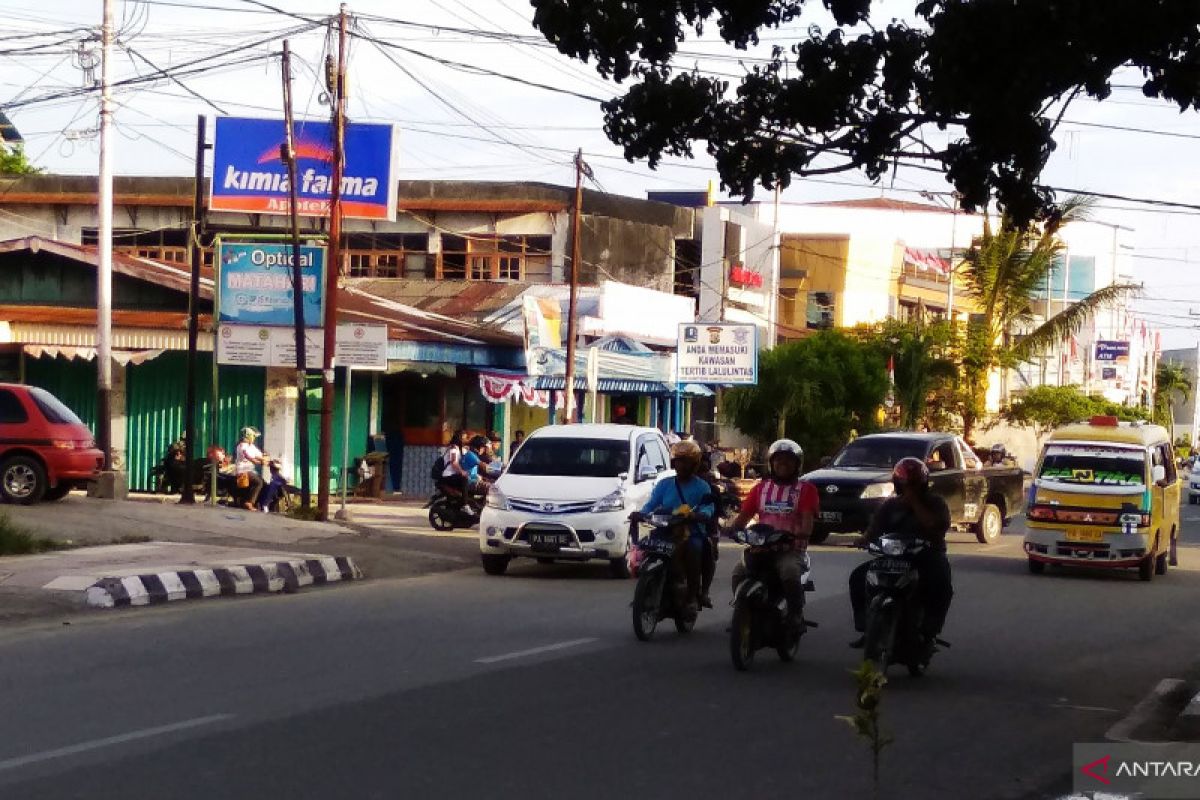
475 457
786 503
913 512
685 489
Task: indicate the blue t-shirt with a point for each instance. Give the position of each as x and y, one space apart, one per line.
470 463
666 497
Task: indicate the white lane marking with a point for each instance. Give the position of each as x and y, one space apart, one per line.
109 741
533 651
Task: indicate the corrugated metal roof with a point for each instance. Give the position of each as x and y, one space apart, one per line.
886 204
405 322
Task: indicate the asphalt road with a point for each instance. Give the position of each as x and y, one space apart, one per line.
532 685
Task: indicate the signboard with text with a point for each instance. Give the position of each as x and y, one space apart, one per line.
359 346
249 174
722 353
1115 351
255 284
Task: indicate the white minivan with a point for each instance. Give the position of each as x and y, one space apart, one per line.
567 495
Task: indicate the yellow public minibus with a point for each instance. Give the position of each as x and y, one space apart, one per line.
1105 494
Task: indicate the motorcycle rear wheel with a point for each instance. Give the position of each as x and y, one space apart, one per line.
646 599
741 637
684 623
880 640
790 647
441 518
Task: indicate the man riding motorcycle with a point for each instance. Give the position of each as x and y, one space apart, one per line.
688 490
786 503
913 512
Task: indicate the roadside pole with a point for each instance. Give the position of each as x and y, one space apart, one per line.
189 403
581 169
289 157
337 93
346 441
107 484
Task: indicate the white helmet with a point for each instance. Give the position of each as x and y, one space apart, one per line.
785 446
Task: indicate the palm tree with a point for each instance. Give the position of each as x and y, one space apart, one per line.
1005 271
919 353
1171 381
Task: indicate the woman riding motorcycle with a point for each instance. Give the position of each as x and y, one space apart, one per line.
691 493
786 503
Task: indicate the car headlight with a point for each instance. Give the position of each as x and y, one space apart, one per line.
613 502
878 490
497 500
892 547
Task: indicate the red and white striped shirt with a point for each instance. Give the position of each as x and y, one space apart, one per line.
781 504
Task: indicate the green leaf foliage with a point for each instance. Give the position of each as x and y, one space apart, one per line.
815 390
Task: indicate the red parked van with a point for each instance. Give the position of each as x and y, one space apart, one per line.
45 449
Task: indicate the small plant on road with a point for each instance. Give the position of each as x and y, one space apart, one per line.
869 681
17 541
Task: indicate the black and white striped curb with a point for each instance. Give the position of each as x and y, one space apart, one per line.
278 576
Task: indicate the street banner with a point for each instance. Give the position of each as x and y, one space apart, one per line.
1115 351
255 284
721 353
543 333
250 176
363 347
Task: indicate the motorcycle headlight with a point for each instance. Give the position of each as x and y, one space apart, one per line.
892 547
878 491
613 502
497 500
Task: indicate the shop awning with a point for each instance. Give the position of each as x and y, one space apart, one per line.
122 357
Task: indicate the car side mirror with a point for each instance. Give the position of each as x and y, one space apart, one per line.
646 472
1158 474
826 461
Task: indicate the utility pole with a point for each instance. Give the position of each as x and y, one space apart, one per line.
189 403
577 214
104 271
289 157
337 96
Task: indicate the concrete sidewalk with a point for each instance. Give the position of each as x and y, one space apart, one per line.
185 539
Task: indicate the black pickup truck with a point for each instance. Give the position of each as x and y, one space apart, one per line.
858 479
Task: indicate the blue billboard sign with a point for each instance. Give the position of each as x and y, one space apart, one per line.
249 174
1112 350
255 283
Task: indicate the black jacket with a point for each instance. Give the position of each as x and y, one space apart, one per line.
896 518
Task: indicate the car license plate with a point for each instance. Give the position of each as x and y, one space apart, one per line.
830 516
547 542
1081 535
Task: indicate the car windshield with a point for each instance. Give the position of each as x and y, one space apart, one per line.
575 458
881 453
1086 465
52 408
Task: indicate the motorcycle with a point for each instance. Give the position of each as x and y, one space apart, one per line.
661 586
726 499
894 608
449 508
760 614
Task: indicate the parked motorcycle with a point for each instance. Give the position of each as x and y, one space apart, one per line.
661 589
760 613
894 607
449 508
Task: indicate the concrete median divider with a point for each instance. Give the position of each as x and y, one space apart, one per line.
193 584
